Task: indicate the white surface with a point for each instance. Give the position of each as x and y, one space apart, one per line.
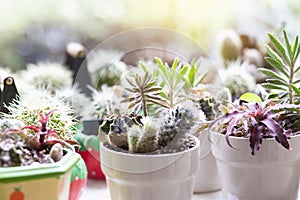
97 190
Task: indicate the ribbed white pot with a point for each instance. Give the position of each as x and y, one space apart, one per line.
207 178
272 174
150 177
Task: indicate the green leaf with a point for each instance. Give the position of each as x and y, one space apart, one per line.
180 75
146 79
138 80
183 70
161 103
272 86
152 89
174 65
297 69
250 97
130 82
271 74
295 47
277 82
297 90
164 95
143 66
149 96
274 55
279 47
132 104
165 72
201 78
129 99
191 74
288 45
151 84
133 90
277 66
296 81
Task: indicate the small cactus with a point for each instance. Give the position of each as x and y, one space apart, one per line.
143 138
230 45
174 132
238 79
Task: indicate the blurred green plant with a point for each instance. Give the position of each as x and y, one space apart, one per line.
284 77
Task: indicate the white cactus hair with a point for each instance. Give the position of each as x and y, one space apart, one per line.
28 106
238 78
48 74
80 103
150 127
142 138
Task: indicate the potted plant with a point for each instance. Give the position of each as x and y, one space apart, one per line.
59 119
34 161
197 89
148 151
271 170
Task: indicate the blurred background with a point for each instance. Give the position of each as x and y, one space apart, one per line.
38 30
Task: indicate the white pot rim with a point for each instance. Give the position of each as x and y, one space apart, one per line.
247 138
142 163
152 155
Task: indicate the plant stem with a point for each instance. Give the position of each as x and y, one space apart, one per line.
291 81
171 97
144 103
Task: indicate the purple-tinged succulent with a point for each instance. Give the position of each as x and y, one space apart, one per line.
36 143
260 120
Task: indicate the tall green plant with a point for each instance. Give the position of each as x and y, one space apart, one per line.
173 79
283 60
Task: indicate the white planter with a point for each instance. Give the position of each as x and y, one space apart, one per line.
207 178
150 177
272 174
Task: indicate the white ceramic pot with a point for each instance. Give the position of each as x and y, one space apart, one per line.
150 177
207 178
272 174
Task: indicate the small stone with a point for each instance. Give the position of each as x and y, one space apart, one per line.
56 152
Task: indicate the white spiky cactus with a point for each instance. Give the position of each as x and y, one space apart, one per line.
46 75
80 103
105 66
143 138
238 78
28 107
7 123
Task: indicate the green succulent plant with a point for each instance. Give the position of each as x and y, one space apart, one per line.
145 91
165 131
284 78
173 80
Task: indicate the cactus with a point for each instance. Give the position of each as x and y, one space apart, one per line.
143 138
165 131
27 110
176 125
238 79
